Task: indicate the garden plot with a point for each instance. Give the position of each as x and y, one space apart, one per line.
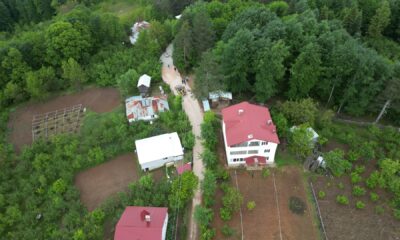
271 218
67 120
95 99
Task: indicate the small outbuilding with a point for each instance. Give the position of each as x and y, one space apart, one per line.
142 223
155 152
206 105
144 84
184 168
218 96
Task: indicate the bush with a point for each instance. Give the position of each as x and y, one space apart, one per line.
355 177
336 163
379 210
396 214
359 169
321 194
374 197
373 180
358 191
265 172
227 231
360 205
225 214
341 199
296 205
340 185
353 156
251 205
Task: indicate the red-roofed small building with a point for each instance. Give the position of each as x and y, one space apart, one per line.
142 223
183 168
249 134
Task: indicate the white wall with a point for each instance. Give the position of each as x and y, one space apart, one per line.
159 163
164 228
270 145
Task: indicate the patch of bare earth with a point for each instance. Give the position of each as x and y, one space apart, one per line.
106 180
96 99
347 222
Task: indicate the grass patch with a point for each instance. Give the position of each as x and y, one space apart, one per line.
285 159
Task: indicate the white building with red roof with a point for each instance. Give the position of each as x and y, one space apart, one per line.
142 223
249 134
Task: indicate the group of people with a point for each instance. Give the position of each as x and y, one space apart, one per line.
185 80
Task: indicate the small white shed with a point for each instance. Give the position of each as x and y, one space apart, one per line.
144 84
155 152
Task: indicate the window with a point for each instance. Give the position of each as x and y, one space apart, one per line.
267 150
244 144
257 143
253 152
267 158
237 152
264 143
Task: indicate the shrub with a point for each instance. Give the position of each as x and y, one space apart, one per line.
379 210
340 185
296 205
336 163
355 177
265 172
359 169
360 205
225 214
396 214
227 231
341 199
321 194
373 180
251 205
353 156
374 197
358 191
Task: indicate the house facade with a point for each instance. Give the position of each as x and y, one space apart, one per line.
155 152
250 136
142 223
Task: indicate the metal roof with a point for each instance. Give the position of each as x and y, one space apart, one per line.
144 80
206 105
158 147
139 108
220 94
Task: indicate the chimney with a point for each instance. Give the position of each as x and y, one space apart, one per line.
240 112
269 122
147 218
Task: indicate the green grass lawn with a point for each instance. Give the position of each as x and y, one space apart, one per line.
284 158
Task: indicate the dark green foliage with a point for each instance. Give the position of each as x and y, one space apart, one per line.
341 199
358 191
301 111
355 177
296 205
227 231
336 163
209 186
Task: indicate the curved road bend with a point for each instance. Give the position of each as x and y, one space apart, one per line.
195 115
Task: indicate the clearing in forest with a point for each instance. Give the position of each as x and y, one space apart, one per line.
99 100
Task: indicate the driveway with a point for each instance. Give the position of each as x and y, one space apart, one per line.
192 108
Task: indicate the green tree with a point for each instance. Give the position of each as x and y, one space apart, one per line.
39 83
270 69
203 34
209 76
301 141
236 58
73 73
183 47
209 186
301 111
336 163
209 158
64 41
352 19
305 72
182 189
232 199
127 83
380 21
279 7
203 216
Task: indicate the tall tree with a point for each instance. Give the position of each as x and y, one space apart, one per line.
39 82
209 76
183 47
380 21
270 69
352 19
305 72
73 73
63 41
6 22
203 33
236 58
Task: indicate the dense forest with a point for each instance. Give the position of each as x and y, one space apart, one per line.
345 54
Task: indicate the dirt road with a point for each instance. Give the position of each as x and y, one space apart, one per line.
193 111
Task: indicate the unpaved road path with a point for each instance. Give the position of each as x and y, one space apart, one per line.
195 114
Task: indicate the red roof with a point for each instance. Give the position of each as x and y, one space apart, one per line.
133 225
245 122
183 168
256 159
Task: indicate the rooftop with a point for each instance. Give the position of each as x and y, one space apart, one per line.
139 108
